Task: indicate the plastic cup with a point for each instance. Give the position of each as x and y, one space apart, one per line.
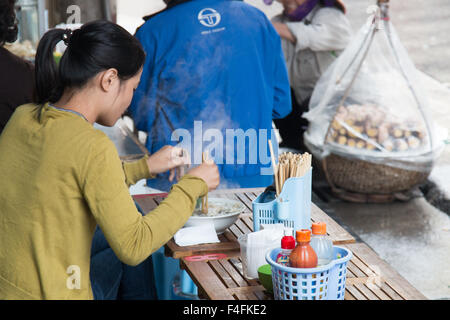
252 256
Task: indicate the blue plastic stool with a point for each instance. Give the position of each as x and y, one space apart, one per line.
167 271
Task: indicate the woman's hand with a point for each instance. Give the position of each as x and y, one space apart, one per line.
284 32
169 158
208 172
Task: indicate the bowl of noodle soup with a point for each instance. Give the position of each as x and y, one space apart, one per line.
221 212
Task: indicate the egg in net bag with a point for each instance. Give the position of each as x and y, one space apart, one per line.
370 105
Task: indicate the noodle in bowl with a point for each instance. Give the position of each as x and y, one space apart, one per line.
222 212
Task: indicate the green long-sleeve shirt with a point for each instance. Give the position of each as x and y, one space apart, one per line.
59 178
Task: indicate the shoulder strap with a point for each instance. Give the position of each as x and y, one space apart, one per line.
311 16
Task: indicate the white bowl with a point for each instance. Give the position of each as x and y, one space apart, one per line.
221 221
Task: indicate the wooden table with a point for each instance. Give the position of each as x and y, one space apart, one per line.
368 276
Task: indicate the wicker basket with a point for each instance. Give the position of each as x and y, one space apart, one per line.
368 178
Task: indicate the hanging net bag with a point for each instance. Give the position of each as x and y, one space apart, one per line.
369 124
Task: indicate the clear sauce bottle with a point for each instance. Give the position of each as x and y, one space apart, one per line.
321 243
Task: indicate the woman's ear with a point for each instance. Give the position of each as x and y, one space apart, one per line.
108 79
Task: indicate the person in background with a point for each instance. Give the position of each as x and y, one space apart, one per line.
16 74
61 177
218 63
314 33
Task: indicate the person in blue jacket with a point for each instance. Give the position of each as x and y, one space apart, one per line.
214 79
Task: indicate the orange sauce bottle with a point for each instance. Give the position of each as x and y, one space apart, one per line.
303 256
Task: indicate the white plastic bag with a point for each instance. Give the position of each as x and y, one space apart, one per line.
370 104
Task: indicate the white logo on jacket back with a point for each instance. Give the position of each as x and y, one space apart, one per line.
209 17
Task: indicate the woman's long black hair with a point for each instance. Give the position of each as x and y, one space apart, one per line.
95 47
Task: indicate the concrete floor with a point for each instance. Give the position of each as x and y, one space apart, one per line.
413 237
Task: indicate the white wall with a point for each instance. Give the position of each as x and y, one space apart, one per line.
272 10
130 12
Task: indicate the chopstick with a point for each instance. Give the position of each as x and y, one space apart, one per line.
289 166
184 168
204 210
275 168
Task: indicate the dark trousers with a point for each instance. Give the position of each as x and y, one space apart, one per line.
113 280
292 127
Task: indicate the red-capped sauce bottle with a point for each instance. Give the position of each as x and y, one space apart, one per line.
287 245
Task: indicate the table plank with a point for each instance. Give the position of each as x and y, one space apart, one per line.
251 195
210 283
224 274
245 200
349 296
178 252
355 293
243 226
366 291
379 293
390 292
250 293
233 273
235 231
229 235
248 221
392 283
146 203
338 234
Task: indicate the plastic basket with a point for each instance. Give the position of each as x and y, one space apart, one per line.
322 283
295 209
